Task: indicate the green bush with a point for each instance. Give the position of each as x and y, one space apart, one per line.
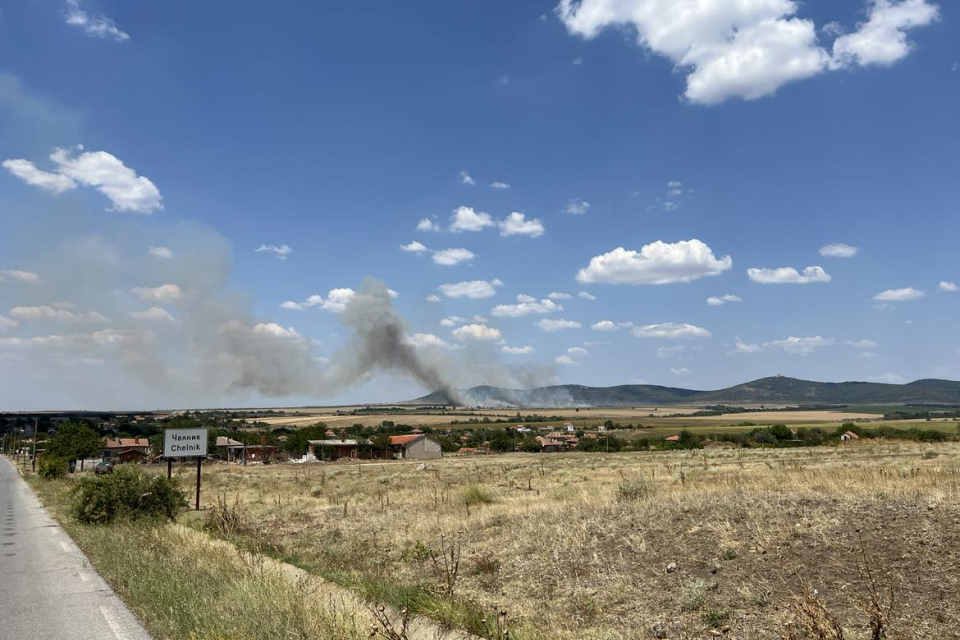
635 489
474 494
128 493
52 467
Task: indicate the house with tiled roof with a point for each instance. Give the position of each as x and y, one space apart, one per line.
415 446
126 449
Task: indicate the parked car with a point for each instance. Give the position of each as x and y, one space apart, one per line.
103 467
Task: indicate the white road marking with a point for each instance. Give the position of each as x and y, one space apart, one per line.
112 622
65 546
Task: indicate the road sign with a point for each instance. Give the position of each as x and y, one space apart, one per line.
185 443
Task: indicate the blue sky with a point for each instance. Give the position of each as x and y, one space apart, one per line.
745 137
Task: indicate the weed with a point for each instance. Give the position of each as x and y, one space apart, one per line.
716 617
475 494
635 489
693 594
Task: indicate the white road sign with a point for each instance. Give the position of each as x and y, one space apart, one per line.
184 443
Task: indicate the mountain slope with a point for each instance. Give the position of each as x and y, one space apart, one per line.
773 390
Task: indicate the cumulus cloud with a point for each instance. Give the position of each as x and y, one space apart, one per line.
95 27
862 344
526 305
466 219
587 296
610 325
18 275
796 345
517 351
665 353
164 294
746 48
577 351
336 300
838 250
477 332
670 330
656 263
680 371
516 224
499 185
155 314
788 275
280 251
98 169
451 257
577 207
58 312
882 39
8 323
161 252
470 289
550 325
428 340
433 298
899 295
465 178
559 295
716 301
426 224
566 361
413 247
943 286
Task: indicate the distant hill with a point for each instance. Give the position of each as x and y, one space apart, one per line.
774 390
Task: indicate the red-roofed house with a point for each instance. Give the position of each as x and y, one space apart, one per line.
675 438
126 449
415 446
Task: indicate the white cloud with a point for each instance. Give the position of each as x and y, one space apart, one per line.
450 322
477 332
55 312
888 378
680 371
499 185
943 286
655 263
153 314
98 169
433 298
550 325
526 305
336 300
609 325
838 250
428 340
83 341
796 345
899 295
280 251
670 330
716 301
46 180
97 27
451 257
558 295
470 289
466 219
27 277
465 178
882 39
517 351
426 224
567 361
516 224
578 61
577 351
413 247
577 207
263 330
587 296
164 294
788 275
862 344
7 323
665 353
746 48
161 252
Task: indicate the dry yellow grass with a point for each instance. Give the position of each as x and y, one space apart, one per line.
578 546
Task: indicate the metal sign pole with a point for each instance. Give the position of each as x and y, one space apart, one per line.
199 461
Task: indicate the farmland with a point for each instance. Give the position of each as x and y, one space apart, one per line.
614 546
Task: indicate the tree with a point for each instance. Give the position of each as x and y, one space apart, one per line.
75 441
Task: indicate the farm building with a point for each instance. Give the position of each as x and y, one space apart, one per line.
673 438
126 449
415 447
234 451
849 435
333 448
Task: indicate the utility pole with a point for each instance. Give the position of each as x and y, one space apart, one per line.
36 427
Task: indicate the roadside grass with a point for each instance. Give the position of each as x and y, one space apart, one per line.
184 586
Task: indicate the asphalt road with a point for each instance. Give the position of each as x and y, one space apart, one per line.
48 590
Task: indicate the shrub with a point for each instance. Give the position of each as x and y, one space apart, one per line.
635 489
128 493
52 467
693 594
474 494
716 617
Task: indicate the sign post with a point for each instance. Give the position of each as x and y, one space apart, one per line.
186 443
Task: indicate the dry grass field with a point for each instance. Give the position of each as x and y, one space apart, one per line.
792 543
